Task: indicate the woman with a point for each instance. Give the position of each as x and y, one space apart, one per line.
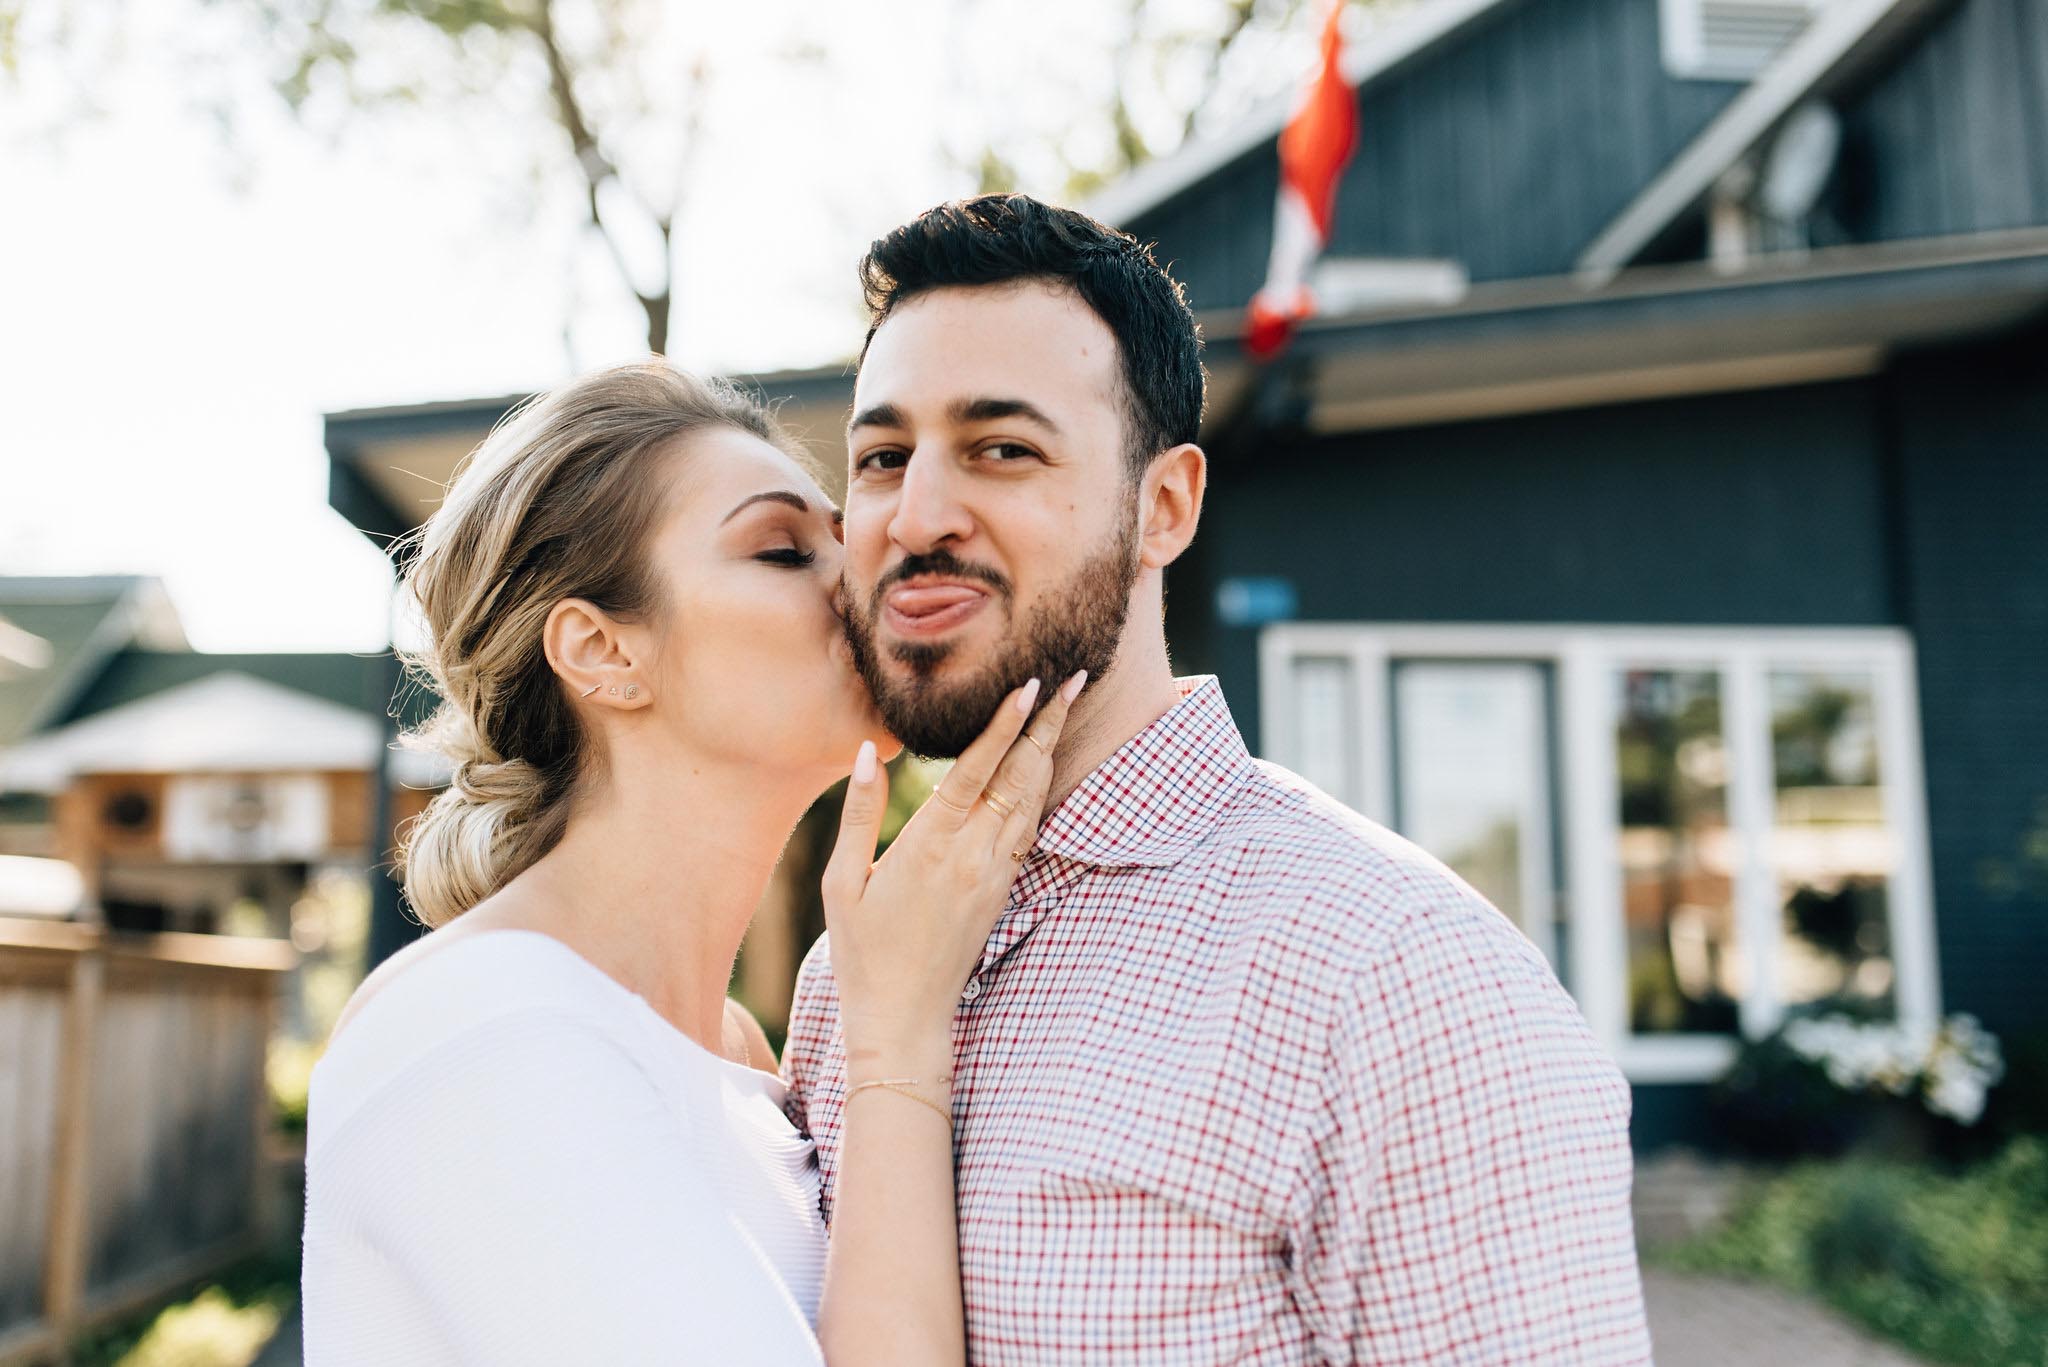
541 1134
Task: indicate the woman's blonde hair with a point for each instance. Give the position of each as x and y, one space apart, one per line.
558 502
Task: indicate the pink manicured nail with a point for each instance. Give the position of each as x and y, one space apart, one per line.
864 763
1074 686
1027 697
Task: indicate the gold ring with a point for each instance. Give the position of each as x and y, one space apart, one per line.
1003 805
1040 744
1020 855
940 797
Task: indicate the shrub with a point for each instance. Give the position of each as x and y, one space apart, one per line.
1952 1265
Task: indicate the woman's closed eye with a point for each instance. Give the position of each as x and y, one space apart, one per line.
790 556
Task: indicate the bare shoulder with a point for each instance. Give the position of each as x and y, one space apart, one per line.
745 1038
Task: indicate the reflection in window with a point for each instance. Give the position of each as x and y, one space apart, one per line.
1677 856
1325 725
1830 846
1474 781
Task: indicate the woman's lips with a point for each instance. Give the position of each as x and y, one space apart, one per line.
928 610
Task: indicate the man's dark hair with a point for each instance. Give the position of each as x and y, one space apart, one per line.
994 239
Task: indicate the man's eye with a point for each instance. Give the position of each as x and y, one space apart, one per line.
1006 451
788 555
883 460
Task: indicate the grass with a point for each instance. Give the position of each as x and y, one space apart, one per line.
226 1323
1951 1265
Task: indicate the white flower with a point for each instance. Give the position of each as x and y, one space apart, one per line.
1952 1067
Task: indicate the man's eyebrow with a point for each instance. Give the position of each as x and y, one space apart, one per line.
960 411
789 496
993 409
881 415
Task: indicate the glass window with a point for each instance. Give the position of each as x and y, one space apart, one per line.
1676 854
1325 726
1473 783
1831 847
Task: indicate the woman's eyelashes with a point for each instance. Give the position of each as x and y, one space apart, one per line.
788 556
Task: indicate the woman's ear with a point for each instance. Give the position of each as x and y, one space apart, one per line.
589 651
1171 504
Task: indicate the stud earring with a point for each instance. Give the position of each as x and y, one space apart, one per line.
612 692
590 690
632 692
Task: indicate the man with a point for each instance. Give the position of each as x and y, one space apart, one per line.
1241 1077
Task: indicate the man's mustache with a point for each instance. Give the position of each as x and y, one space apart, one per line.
939 562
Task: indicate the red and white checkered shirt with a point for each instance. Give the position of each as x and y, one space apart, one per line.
1244 1078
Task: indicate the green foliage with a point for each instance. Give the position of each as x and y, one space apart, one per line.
10 36
289 1072
1952 1265
225 1323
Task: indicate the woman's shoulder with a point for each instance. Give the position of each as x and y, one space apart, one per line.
436 994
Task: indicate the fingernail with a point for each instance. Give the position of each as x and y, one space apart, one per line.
1027 697
1074 686
864 763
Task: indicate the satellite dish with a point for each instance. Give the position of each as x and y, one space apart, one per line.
1800 162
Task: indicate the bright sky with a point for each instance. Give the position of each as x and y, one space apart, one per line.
182 304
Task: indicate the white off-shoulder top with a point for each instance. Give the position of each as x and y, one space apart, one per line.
512 1159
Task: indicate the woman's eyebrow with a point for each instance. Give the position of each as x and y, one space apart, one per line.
788 496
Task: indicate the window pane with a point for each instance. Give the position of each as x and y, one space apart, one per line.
1472 746
1677 856
1830 845
1325 729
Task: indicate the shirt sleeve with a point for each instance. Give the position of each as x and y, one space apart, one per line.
542 1198
1467 1197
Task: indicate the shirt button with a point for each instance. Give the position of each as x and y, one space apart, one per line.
971 991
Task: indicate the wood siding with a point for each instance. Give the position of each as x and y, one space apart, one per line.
1953 137
1972 458
1507 148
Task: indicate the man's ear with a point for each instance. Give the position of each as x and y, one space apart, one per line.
1170 504
590 652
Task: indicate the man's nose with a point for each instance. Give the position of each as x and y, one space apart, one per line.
929 508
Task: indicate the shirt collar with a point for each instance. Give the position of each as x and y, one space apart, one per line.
1153 800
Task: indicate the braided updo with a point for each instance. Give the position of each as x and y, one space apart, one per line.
558 502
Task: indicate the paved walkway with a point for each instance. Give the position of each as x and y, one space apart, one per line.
1700 1321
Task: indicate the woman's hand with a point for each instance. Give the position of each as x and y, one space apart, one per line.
907 930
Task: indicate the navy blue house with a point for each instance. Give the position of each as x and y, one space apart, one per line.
1654 524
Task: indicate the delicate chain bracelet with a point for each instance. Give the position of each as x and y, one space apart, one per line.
903 1086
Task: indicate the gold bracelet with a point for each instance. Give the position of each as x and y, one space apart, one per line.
903 1086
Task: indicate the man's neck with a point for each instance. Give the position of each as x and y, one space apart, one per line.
1139 691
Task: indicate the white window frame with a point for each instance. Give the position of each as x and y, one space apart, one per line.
1585 659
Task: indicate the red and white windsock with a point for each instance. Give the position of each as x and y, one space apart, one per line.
1314 147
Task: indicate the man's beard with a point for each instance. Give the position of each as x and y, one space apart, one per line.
1075 626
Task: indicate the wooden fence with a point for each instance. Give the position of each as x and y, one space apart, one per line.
132 1116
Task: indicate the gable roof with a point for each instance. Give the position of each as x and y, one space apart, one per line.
227 722
1842 38
1403 38
72 627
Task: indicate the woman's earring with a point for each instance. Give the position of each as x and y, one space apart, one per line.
590 690
632 692
612 692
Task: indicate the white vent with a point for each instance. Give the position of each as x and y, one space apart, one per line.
1730 40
